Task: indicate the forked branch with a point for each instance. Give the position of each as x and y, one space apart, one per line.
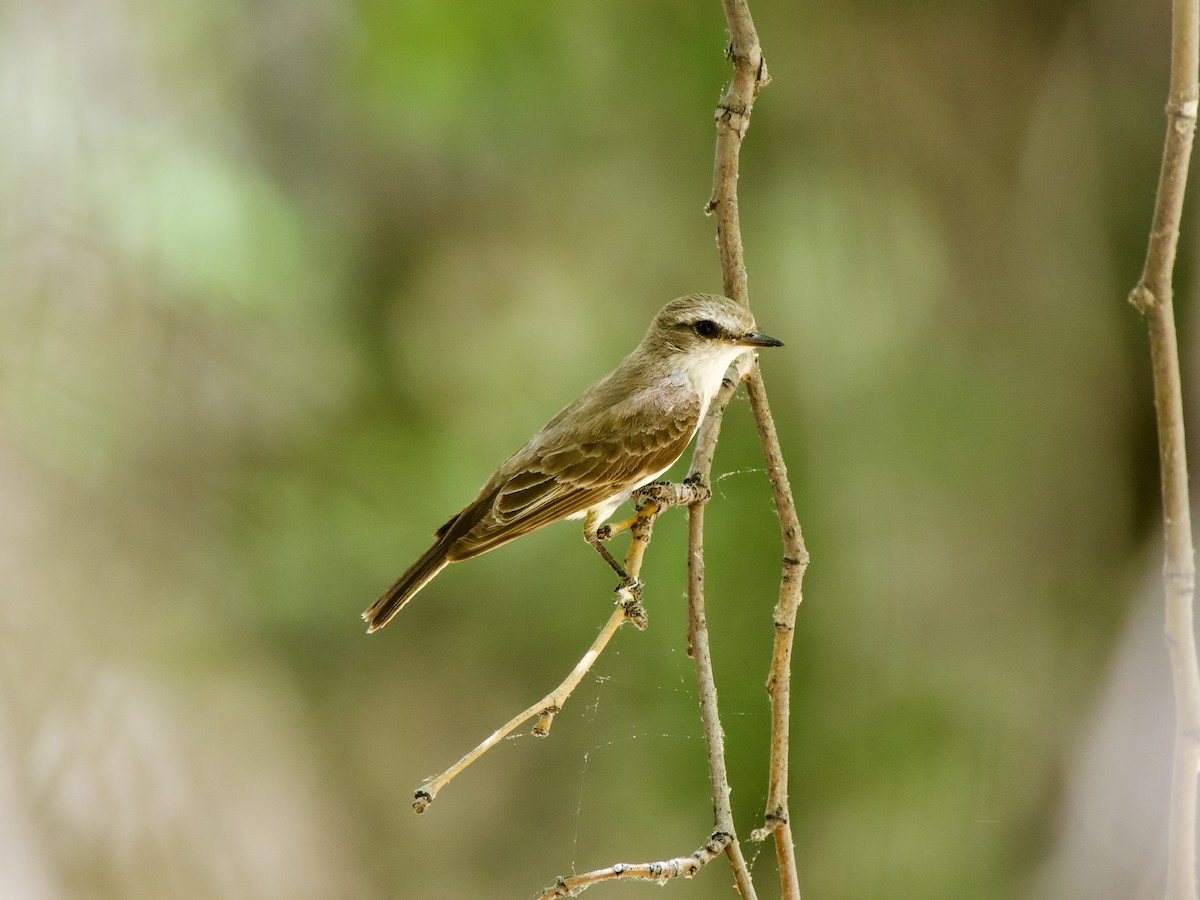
733 119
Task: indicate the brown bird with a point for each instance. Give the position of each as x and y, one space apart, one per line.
621 434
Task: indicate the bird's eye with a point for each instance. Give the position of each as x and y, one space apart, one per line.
705 328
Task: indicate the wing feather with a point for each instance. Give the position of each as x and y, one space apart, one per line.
558 474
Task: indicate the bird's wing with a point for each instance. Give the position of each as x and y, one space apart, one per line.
557 476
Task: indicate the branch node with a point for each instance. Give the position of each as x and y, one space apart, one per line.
1183 112
421 801
629 598
763 77
1142 298
772 822
717 842
733 115
542 727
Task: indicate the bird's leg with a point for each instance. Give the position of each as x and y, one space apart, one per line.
606 532
595 534
650 502
629 589
595 539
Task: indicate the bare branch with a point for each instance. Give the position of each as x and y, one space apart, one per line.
795 562
713 734
714 737
658 872
1153 296
733 119
545 709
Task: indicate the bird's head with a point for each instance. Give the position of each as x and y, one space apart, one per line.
707 325
702 334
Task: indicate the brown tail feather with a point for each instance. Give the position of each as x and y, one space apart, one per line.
402 590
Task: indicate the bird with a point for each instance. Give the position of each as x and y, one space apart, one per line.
621 434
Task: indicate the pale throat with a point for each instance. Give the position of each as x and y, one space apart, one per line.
704 370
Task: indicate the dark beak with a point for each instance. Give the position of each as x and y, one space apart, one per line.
757 339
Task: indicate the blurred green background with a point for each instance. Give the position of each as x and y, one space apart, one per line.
282 282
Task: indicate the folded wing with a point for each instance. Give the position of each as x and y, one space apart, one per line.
568 474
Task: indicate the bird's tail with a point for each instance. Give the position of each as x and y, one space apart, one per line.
402 590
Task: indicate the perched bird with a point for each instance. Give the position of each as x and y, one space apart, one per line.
621 434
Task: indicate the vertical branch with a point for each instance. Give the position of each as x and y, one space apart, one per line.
1153 296
714 736
733 120
795 562
698 641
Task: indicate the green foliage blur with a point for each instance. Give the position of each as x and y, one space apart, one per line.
283 282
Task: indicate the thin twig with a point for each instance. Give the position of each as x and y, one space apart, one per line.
733 119
795 562
658 872
545 709
1153 296
713 733
651 502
